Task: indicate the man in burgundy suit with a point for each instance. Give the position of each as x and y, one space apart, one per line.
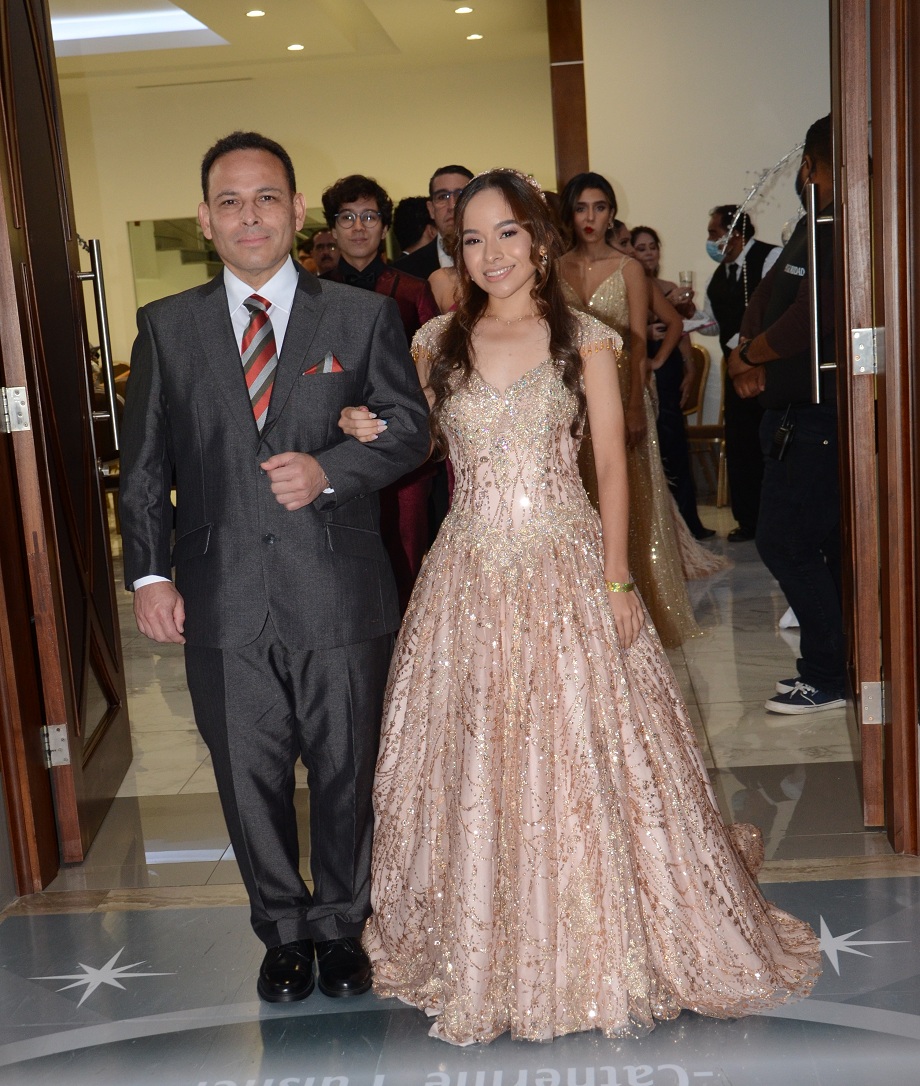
359 213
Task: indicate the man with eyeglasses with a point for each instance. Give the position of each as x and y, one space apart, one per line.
445 186
359 212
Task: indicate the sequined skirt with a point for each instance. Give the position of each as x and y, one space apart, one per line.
548 854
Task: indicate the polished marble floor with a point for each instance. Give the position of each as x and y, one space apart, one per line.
138 965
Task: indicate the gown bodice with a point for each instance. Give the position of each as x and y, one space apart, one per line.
514 456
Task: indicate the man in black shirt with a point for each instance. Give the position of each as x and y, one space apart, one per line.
745 261
798 528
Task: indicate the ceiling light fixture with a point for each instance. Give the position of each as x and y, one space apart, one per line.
463 11
254 14
295 48
474 37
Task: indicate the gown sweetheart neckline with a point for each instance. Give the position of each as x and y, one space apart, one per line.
502 393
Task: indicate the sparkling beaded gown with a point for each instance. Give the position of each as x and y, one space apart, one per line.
548 854
662 551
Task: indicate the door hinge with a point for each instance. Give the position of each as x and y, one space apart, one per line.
15 410
57 745
868 350
872 703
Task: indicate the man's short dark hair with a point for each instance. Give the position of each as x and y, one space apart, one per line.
356 187
819 141
245 141
454 168
305 245
410 217
726 212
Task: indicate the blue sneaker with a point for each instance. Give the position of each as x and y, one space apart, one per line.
785 685
803 698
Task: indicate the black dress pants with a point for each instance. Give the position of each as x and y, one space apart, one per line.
744 457
672 438
261 707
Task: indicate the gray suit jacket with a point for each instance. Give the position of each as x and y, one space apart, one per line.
320 572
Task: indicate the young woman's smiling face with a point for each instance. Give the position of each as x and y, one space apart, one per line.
497 250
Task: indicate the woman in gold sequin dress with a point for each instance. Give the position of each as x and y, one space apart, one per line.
600 280
548 854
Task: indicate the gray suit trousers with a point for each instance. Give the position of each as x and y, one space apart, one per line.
261 707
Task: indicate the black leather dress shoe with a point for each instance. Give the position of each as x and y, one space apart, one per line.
740 535
704 533
286 974
344 969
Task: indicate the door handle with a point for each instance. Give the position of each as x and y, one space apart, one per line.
812 219
105 343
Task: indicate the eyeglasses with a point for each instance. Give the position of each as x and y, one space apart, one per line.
444 196
347 219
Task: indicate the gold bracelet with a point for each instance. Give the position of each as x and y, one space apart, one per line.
620 586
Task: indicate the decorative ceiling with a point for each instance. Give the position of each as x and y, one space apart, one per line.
222 43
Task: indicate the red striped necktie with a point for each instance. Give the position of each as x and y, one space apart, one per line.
260 360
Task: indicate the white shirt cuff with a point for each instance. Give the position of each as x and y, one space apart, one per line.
152 579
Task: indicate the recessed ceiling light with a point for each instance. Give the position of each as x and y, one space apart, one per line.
295 48
255 13
463 11
474 37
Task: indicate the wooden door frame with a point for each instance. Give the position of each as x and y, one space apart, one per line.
857 391
894 51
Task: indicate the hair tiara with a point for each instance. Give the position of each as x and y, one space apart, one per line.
526 177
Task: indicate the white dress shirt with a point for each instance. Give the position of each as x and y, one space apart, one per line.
444 257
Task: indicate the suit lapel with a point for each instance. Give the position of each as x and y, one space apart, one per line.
222 354
309 303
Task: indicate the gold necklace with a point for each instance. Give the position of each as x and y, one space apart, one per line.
588 263
513 320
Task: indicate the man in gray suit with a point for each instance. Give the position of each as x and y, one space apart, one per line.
283 594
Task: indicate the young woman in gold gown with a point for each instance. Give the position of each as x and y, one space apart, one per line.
548 854
600 280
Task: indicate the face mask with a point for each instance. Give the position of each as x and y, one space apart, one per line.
716 249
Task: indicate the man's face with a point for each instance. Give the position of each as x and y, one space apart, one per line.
716 232
251 215
445 189
325 252
359 241
735 244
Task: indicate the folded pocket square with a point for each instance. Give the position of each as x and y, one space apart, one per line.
330 364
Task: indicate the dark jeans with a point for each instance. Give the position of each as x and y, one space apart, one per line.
798 536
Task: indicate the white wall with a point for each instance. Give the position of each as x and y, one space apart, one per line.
690 100
134 154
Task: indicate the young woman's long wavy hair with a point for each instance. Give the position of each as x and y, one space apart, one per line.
453 364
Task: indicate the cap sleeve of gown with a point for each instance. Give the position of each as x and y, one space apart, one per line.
426 340
594 336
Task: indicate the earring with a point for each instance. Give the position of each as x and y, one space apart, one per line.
544 256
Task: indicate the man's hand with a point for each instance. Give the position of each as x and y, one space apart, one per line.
736 364
750 383
160 612
296 478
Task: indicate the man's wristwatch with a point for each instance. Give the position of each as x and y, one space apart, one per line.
743 353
